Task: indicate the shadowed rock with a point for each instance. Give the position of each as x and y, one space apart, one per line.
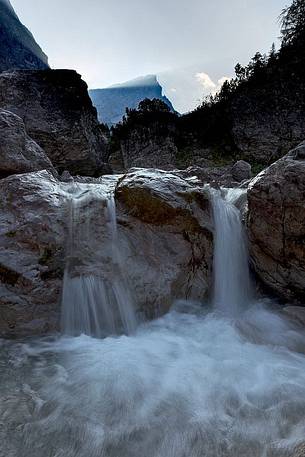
241 171
18 152
276 226
18 49
59 116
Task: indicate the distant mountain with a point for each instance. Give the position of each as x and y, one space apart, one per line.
112 101
18 48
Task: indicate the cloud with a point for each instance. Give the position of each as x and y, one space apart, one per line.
187 87
223 80
205 81
208 85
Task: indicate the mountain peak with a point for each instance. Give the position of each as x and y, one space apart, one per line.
111 102
141 81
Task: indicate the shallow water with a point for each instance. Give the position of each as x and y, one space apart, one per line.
189 384
194 383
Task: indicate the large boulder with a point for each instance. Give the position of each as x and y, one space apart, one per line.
164 239
59 116
168 229
32 236
241 171
276 225
18 152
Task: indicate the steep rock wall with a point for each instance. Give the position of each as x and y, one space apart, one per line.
59 116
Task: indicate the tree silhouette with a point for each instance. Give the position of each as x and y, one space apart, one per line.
293 22
153 106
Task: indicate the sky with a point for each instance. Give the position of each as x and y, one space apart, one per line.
192 45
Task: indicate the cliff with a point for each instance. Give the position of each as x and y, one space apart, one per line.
18 49
111 102
58 114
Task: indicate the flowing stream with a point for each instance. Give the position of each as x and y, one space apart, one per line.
232 291
193 383
96 301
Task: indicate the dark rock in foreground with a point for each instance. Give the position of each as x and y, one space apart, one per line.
59 116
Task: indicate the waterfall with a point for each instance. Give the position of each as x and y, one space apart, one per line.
191 383
231 291
96 299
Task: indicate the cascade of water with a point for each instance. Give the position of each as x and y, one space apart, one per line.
120 287
96 299
232 288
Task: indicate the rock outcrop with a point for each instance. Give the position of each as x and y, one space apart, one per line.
32 235
111 102
164 234
276 225
268 118
168 223
241 171
18 49
18 152
147 149
59 116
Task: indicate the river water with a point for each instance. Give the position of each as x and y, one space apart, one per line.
225 379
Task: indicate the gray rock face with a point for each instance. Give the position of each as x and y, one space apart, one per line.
268 118
32 236
299 152
18 152
111 102
241 171
164 231
59 116
296 313
142 150
276 226
19 49
167 223
215 176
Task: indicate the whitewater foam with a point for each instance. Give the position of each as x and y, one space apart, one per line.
193 383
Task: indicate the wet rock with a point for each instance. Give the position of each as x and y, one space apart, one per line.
164 235
215 176
276 226
66 177
296 313
18 152
168 222
32 236
241 171
299 451
299 152
59 116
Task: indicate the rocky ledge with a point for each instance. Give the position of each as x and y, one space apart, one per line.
164 236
